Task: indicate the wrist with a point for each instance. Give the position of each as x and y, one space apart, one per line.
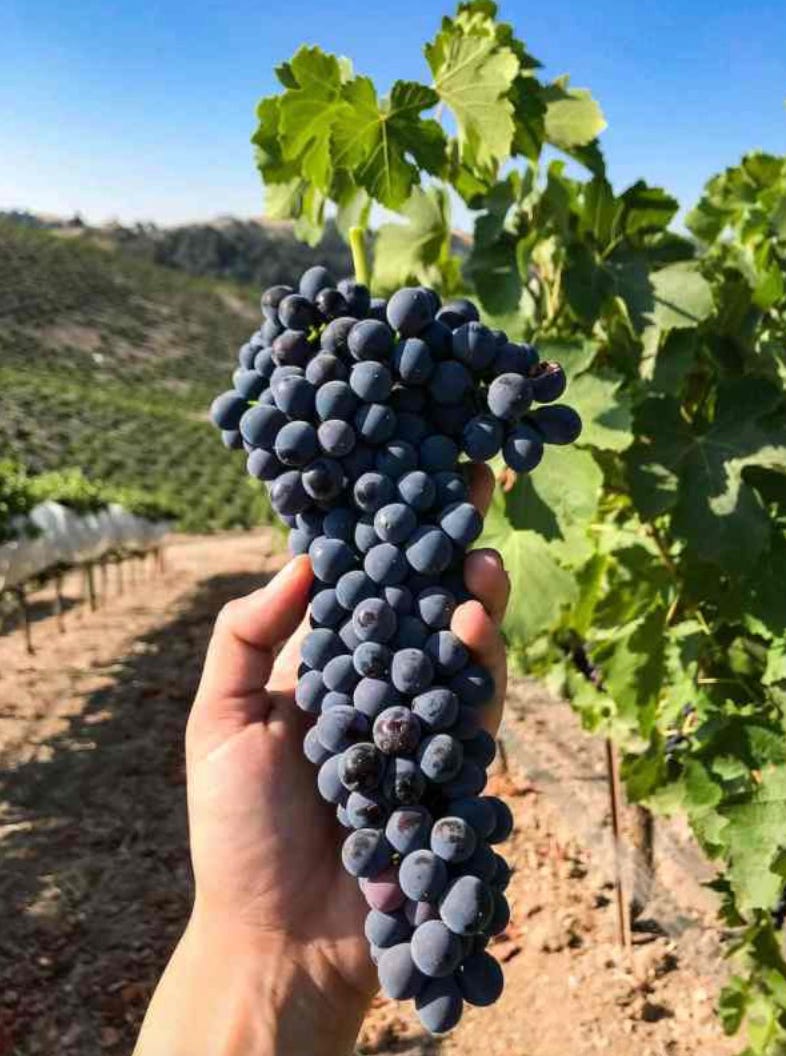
226 993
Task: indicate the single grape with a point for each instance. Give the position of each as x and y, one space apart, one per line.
339 674
336 438
423 876
398 976
365 810
294 395
440 757
509 396
383 892
395 522
339 523
372 660
429 550
410 310
411 671
373 491
263 464
396 731
370 339
357 297
330 559
340 726
548 382
385 564
313 749
447 653
436 606
291 349
323 368
467 905
296 444
523 448
469 781
297 313
272 298
480 979
288 493
371 381
259 425
353 587
557 423
375 422
404 781
331 304
313 280
436 708
412 361
365 853
418 490
319 646
386 929
335 399
373 620
310 691
436 951
407 829
474 345
504 820
453 839
360 767
329 782
373 695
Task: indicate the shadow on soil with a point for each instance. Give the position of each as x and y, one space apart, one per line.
95 881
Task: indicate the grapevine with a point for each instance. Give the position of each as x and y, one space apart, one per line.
355 411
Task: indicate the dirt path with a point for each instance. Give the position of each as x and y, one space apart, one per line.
94 873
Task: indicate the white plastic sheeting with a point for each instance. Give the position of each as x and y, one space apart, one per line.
61 537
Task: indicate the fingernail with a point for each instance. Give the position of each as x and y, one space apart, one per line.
492 558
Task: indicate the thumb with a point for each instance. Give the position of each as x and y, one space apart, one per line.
241 651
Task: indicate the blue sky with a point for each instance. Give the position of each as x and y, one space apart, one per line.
143 109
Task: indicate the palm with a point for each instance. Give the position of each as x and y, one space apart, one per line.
266 849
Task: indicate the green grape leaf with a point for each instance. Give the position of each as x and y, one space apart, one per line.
645 209
540 586
755 842
573 118
765 592
604 409
473 74
405 252
491 264
374 140
682 297
633 665
700 477
267 144
559 502
307 113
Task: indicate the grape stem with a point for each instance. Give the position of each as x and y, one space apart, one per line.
357 243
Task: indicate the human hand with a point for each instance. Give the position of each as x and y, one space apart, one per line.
274 958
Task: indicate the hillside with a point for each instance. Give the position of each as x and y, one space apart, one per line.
246 251
108 363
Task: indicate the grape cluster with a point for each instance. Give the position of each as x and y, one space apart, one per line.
355 412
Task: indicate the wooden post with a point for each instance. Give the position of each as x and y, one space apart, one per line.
91 586
615 797
119 575
104 578
59 602
26 621
643 839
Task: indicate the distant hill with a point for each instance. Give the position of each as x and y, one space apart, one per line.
247 251
109 361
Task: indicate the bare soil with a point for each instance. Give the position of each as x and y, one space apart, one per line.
95 881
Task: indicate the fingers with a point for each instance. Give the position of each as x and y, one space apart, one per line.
487 580
478 631
240 654
480 480
283 677
477 624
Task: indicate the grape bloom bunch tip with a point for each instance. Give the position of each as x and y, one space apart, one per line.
356 413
